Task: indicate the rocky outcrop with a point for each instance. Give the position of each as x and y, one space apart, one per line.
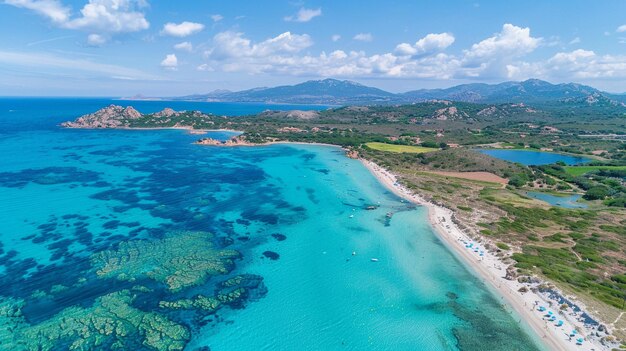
352 154
449 113
167 112
511 273
209 141
113 116
488 111
234 141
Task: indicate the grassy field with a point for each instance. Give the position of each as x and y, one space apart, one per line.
580 170
399 148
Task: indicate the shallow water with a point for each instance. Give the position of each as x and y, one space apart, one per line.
567 201
102 224
533 158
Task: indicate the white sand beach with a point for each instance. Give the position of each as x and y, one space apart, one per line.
492 271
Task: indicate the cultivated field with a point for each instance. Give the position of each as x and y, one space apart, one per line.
399 148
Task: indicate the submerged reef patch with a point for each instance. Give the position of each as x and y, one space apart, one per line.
154 285
110 323
47 176
180 260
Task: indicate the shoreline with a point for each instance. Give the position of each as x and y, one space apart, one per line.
490 269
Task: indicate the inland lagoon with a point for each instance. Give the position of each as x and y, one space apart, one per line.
560 200
117 239
533 158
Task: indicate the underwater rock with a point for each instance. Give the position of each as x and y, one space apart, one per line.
271 255
180 260
279 237
110 323
202 302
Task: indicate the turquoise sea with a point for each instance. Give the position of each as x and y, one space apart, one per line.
140 240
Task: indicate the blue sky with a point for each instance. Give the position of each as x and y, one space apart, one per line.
168 48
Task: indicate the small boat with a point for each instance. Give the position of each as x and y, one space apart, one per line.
353 253
351 216
374 259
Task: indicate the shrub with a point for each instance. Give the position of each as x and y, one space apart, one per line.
596 193
503 246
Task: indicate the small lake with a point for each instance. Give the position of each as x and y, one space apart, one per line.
568 201
533 158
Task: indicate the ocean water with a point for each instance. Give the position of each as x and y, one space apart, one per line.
141 240
533 158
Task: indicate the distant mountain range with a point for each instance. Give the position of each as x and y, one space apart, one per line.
344 92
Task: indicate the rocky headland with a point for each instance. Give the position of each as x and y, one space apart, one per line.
112 116
119 117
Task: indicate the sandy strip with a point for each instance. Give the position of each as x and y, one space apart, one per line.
491 270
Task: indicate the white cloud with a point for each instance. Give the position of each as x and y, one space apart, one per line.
580 64
501 56
429 44
184 46
96 40
363 37
621 29
304 15
97 17
52 9
233 52
170 62
335 37
217 17
109 16
234 45
182 29
575 41
512 41
497 55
